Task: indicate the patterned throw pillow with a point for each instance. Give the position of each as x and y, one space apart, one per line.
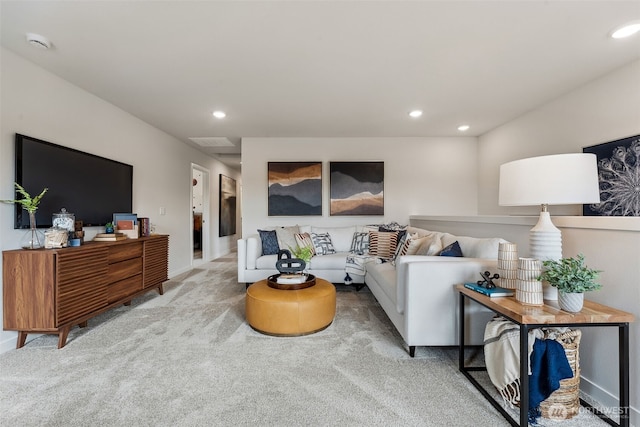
382 244
303 240
452 250
269 242
322 244
360 243
411 245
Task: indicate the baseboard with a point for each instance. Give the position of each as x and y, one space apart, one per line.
8 343
605 399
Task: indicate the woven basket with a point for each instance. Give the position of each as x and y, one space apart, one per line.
564 403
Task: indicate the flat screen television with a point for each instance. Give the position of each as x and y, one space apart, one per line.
91 187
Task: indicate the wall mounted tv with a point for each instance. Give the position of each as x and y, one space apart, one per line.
93 188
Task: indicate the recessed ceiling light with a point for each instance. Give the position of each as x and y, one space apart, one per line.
626 30
219 114
36 40
463 128
415 113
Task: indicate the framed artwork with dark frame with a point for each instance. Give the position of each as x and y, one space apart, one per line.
228 200
295 188
356 188
618 178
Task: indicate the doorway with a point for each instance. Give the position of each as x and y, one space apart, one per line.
199 213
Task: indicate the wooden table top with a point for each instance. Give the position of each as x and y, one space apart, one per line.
549 313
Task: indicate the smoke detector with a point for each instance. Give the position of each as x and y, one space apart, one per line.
38 41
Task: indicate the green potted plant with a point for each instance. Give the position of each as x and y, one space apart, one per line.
33 239
572 278
109 228
303 253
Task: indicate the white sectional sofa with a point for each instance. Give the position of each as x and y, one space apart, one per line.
416 291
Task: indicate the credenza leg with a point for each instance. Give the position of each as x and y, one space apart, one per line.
62 336
83 324
22 338
160 290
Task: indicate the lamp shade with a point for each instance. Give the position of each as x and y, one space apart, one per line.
559 179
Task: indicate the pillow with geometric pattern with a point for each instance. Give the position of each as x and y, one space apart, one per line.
360 243
322 244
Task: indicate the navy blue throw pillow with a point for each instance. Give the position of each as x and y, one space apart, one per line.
452 250
269 242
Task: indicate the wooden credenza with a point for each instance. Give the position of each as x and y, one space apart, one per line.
51 290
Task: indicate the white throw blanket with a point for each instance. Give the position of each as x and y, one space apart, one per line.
355 263
502 356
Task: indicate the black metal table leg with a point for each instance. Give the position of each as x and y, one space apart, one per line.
524 375
461 326
623 366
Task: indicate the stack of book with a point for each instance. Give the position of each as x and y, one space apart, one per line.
109 237
492 293
291 279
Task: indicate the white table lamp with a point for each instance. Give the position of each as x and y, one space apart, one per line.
560 179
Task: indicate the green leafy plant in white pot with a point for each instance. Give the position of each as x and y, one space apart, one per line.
34 239
572 278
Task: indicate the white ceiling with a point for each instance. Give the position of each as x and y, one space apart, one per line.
323 68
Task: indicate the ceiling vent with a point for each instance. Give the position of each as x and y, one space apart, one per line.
212 141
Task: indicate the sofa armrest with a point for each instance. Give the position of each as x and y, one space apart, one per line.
254 250
429 278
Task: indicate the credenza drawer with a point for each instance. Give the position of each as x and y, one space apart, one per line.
124 269
123 288
120 252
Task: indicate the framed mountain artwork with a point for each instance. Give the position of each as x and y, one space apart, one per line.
295 188
356 188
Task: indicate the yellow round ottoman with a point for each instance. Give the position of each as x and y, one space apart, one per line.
290 312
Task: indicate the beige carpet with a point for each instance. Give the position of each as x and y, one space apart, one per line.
188 358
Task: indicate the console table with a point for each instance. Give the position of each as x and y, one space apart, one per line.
528 317
50 290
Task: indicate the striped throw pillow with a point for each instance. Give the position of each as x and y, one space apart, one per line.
382 244
303 240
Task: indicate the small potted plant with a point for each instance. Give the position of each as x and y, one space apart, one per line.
108 228
303 253
572 279
34 239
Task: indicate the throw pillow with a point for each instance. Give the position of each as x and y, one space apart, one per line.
452 250
382 244
360 243
303 240
431 245
269 242
287 236
411 245
322 244
403 241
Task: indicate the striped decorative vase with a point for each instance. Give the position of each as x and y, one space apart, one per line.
570 301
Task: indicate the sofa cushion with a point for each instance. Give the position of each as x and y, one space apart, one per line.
360 243
384 274
267 262
335 261
340 236
382 244
452 250
411 244
473 247
269 242
303 240
322 244
287 237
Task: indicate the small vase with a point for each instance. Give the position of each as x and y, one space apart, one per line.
34 238
571 301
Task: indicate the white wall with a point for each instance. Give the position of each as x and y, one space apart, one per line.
603 110
39 104
422 175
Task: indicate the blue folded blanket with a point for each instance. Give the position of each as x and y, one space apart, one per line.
549 365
